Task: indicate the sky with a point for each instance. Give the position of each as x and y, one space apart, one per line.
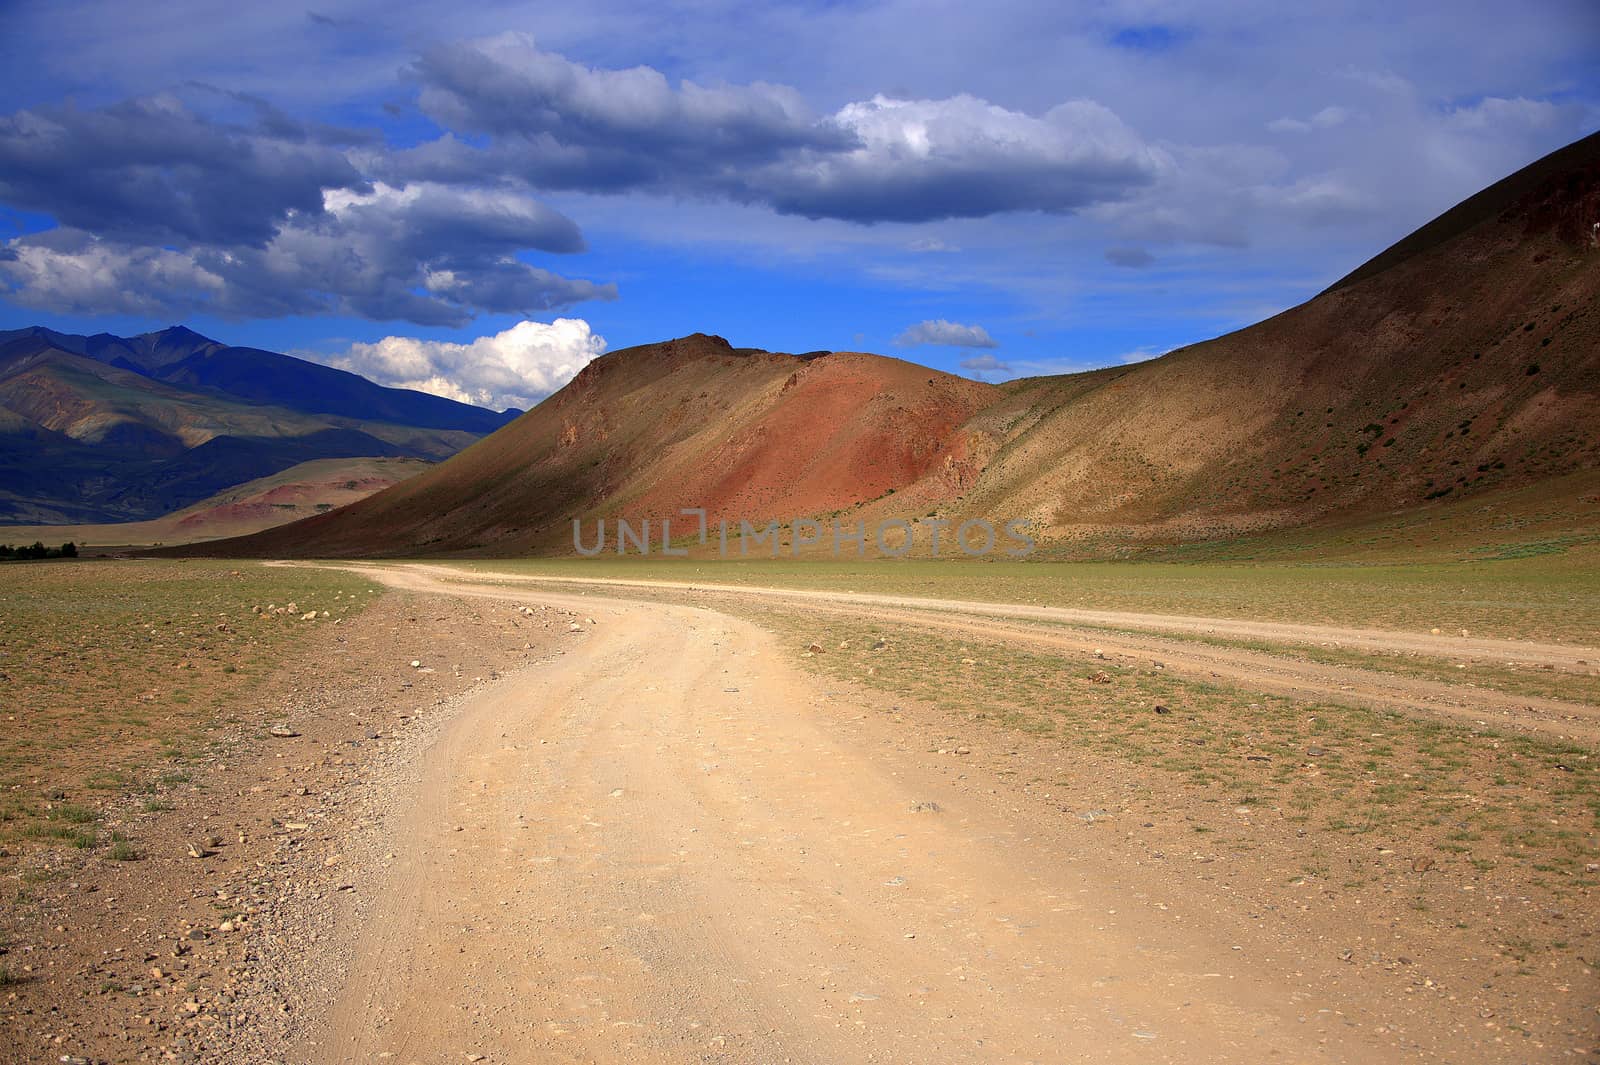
477 202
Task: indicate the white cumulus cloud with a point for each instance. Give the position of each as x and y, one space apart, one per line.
947 334
515 368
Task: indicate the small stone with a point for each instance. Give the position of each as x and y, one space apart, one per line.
1315 752
416 663
1162 709
283 732
1422 865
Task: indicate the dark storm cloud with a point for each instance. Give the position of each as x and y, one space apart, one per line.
558 124
154 170
921 160
507 87
209 198
214 201
425 254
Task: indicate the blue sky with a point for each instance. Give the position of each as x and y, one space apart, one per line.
476 202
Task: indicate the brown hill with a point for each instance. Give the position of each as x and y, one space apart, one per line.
1465 358
647 430
1459 364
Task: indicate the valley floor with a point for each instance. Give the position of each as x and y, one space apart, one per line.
640 822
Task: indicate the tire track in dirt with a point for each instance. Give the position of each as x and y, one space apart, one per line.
656 849
1162 640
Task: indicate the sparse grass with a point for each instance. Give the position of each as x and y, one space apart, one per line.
123 851
109 668
1477 797
1501 676
1548 597
1486 800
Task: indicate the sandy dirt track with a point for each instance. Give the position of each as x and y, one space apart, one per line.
1560 655
1180 644
663 848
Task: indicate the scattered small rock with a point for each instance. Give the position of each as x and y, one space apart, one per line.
1162 709
283 732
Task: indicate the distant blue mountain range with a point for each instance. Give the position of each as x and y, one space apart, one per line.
107 428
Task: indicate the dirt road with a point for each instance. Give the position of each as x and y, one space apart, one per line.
1199 648
667 846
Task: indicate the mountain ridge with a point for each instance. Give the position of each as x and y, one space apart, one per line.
105 429
1463 359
